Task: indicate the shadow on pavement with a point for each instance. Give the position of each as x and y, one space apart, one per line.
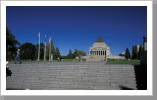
125 88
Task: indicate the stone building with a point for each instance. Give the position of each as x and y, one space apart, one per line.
136 47
99 51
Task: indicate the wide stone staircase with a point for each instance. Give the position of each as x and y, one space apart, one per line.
71 77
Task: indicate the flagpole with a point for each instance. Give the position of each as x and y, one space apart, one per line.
45 49
50 49
39 47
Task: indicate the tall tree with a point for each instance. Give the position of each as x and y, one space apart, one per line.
70 55
127 53
54 53
58 52
28 51
81 52
76 53
10 44
47 50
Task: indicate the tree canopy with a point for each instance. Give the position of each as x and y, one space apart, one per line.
28 51
77 53
136 53
127 53
11 43
70 55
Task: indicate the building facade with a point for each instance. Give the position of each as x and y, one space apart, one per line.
99 51
136 48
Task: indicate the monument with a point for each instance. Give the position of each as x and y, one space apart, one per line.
99 51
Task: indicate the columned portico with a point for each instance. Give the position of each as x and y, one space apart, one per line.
99 51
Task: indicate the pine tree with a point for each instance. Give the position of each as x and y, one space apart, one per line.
58 52
70 55
47 50
76 53
127 53
11 44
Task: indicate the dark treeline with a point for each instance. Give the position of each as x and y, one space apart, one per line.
77 53
11 43
29 51
135 54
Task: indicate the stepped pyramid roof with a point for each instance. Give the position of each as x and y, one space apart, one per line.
99 39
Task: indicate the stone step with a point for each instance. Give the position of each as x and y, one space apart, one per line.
86 77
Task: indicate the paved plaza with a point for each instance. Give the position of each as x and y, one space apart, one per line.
71 76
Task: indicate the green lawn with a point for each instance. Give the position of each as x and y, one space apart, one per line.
74 59
64 60
119 61
33 61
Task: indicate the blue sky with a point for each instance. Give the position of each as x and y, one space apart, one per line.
78 27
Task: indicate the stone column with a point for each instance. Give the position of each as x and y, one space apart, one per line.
100 53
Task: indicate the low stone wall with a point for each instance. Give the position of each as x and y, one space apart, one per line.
84 57
116 57
143 58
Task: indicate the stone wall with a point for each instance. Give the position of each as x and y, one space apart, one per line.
116 57
143 58
84 57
